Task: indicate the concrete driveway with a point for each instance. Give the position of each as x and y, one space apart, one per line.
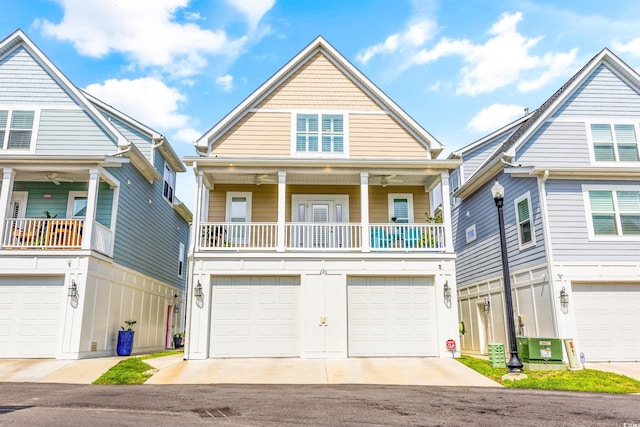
630 369
174 370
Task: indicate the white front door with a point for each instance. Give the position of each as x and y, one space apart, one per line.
18 204
325 316
320 215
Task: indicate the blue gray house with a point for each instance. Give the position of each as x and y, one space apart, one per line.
571 173
92 234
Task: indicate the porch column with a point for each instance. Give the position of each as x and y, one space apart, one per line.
92 203
198 215
8 177
446 211
282 188
364 211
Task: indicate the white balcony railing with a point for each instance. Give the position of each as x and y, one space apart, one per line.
323 237
102 240
44 233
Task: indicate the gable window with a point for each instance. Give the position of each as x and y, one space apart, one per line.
168 183
16 129
319 133
401 208
615 212
615 143
526 236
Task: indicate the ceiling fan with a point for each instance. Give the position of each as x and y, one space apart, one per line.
56 179
263 179
389 179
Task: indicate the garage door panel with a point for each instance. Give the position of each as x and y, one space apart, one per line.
606 317
391 317
261 313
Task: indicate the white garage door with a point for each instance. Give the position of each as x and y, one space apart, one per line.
30 316
255 317
608 321
391 316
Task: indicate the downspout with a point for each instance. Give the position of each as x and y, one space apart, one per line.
126 150
547 245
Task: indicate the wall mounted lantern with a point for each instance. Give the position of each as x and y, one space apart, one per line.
447 294
486 306
564 298
73 290
197 291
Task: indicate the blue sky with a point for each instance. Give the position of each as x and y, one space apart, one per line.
460 68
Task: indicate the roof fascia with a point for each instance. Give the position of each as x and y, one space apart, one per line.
478 180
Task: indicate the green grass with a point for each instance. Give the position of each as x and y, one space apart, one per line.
132 370
589 380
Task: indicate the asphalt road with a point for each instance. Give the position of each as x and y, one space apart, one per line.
37 404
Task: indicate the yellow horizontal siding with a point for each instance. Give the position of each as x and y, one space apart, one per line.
318 84
265 201
256 135
374 135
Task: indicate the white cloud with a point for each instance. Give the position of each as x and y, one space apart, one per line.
185 135
494 117
225 82
147 99
253 10
558 65
415 35
632 47
145 31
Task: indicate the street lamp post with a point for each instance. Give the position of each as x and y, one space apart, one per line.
514 364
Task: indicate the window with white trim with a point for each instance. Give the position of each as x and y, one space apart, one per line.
615 143
471 233
168 183
77 204
16 129
526 234
615 212
319 133
181 260
401 208
238 211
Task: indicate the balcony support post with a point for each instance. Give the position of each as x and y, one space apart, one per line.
8 177
446 211
282 194
92 204
364 211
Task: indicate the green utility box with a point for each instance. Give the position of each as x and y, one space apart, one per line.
539 350
496 355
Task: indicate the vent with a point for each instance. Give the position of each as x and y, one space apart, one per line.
216 412
94 345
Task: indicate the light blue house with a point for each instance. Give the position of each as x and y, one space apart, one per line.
92 234
571 173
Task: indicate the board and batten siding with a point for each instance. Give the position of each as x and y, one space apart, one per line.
379 135
263 134
556 144
149 230
569 231
319 84
71 132
603 94
481 259
24 81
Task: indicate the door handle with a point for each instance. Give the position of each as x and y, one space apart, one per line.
323 321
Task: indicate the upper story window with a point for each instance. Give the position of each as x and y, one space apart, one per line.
168 183
615 212
526 236
319 133
16 129
401 208
615 143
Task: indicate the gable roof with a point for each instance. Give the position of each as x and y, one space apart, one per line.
203 144
506 151
125 147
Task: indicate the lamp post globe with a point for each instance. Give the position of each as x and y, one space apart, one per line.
514 365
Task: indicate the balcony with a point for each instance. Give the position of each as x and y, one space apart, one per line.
54 234
322 237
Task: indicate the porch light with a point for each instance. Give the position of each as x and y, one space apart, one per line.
73 290
176 308
197 291
564 298
486 306
447 294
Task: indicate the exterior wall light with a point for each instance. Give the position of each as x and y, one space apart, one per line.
176 308
564 298
197 291
486 306
447 294
73 290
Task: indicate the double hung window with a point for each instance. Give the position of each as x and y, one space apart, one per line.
168 183
319 133
16 129
615 143
615 212
526 236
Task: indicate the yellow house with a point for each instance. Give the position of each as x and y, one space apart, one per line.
319 228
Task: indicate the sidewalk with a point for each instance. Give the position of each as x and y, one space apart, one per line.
83 371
